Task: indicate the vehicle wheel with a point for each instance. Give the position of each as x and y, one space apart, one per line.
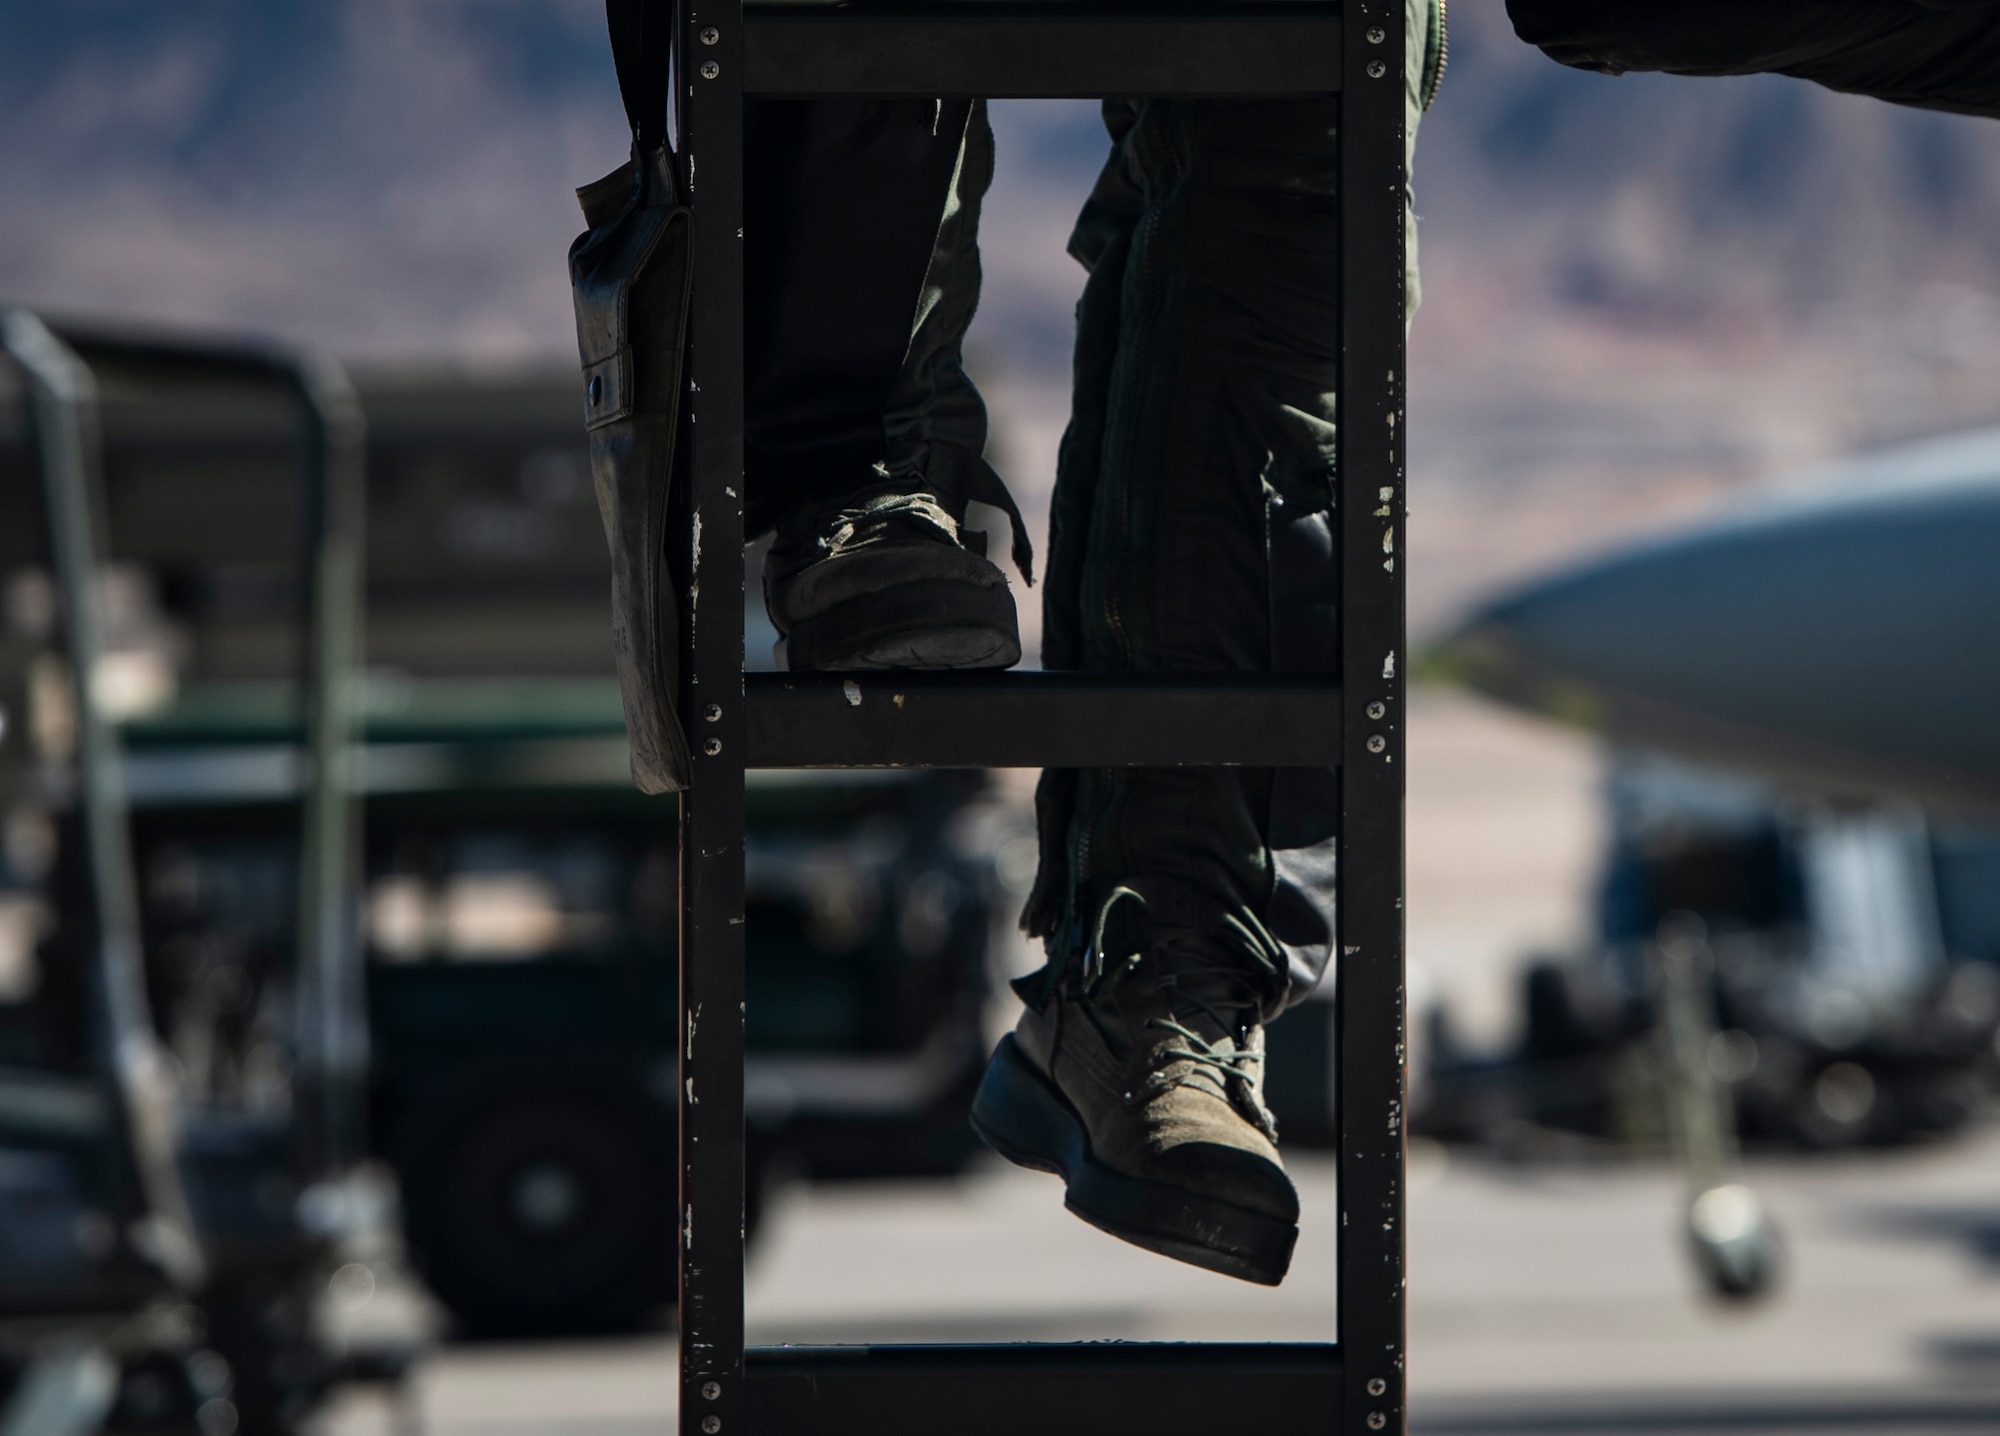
549 1214
1734 1244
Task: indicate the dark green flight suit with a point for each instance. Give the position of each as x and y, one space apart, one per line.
1193 519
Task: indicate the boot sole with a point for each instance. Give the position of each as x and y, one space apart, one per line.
937 623
1024 1117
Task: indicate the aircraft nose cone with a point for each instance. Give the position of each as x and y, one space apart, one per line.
1851 642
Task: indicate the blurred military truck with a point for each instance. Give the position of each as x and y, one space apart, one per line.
518 898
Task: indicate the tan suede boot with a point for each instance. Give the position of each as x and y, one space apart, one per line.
1143 1090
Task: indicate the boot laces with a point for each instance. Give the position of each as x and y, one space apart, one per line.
1204 992
1226 996
919 504
872 520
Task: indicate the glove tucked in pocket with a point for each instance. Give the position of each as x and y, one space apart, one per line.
629 274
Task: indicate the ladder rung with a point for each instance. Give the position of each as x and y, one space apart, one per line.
1163 1389
977 47
1040 720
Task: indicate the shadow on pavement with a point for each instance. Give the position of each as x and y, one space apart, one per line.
1902 1412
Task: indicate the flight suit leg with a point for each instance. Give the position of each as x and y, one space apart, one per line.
865 437
1193 526
861 275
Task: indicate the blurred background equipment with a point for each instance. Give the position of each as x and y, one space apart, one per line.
231 497
518 901
1820 665
1829 645
236 1071
1851 971
1733 1241
98 1253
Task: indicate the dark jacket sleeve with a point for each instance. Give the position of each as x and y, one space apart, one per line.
1937 54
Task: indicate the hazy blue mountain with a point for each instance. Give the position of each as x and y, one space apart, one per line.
385 176
392 177
1670 198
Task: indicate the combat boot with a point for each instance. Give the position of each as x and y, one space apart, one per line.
1142 1087
889 577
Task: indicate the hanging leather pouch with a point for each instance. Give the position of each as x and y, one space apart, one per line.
630 275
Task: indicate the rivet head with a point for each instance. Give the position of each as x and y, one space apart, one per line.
710 35
712 747
711 1424
713 712
1376 1386
1376 1421
1377 709
709 69
1376 70
711 1390
1376 742
1376 34
595 389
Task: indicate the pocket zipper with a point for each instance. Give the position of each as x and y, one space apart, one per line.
1434 72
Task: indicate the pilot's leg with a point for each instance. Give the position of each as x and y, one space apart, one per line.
1194 530
864 435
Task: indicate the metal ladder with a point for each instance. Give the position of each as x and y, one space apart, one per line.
1084 48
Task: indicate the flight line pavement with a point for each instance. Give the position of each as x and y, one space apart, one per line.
1546 1296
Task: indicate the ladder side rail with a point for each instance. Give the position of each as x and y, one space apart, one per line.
708 482
1374 663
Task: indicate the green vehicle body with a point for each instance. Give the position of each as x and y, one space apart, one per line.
518 899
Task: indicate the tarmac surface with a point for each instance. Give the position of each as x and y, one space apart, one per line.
1544 1297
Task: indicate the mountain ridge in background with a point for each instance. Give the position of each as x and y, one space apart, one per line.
389 180
293 165
1640 293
